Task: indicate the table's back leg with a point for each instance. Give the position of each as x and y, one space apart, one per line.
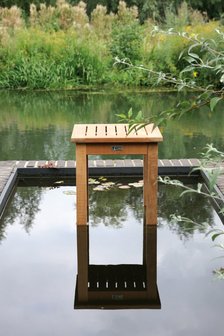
150 184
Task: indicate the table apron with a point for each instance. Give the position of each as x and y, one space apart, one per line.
117 149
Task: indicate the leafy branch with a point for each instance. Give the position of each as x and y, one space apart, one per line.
200 54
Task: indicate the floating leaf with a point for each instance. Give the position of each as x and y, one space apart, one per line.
99 188
59 182
102 178
93 181
69 192
137 185
124 187
108 184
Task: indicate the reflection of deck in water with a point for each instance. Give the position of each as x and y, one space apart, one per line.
120 286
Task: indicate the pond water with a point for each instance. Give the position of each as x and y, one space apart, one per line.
38 257
38 125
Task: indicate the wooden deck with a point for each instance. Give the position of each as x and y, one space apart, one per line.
6 169
10 170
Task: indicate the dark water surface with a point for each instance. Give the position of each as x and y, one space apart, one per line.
38 125
38 259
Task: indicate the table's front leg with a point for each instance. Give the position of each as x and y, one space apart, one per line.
81 184
150 183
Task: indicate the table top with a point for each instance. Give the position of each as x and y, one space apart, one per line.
100 133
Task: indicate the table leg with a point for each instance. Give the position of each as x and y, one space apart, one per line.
150 184
81 184
83 262
151 261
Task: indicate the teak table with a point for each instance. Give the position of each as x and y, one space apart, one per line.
113 139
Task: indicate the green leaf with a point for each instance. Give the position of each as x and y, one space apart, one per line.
139 116
213 102
122 116
217 235
193 55
131 128
199 188
190 59
130 113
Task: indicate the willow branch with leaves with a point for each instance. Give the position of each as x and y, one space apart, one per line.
201 54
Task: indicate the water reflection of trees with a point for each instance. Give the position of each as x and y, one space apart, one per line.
23 208
194 206
112 208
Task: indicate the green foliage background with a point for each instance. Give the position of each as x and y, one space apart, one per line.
147 8
61 47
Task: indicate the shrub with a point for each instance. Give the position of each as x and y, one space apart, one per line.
126 41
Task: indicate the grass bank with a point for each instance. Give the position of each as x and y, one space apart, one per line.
60 47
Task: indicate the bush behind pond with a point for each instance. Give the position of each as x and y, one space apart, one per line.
60 47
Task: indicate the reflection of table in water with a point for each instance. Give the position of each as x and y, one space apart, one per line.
117 286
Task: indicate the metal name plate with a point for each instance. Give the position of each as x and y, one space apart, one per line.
117 148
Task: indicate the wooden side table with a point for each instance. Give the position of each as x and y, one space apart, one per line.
113 139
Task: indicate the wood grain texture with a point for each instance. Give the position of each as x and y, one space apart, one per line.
81 184
87 133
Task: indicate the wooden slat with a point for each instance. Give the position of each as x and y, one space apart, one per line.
116 277
148 129
91 131
142 132
79 130
114 133
101 131
121 130
155 132
111 131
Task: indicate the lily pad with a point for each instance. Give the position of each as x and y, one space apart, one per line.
137 185
124 187
99 188
59 182
69 192
93 181
108 184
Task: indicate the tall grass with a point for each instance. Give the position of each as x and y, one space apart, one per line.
38 60
61 47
